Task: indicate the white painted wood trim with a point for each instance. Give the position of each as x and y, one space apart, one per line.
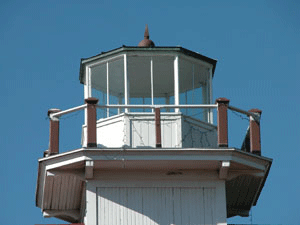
66 162
159 106
89 169
152 81
89 82
223 172
91 217
103 61
126 88
52 173
54 116
82 154
87 90
150 157
149 183
211 116
107 88
83 203
176 82
74 214
178 133
221 213
41 185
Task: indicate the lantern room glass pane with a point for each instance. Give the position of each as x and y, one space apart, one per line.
163 81
193 88
116 85
99 87
139 81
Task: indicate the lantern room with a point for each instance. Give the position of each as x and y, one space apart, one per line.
149 76
131 81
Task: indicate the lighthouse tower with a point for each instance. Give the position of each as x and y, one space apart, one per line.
151 152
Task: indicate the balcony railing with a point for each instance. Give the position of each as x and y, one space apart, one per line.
251 142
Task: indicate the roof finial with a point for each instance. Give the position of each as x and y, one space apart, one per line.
146 34
146 42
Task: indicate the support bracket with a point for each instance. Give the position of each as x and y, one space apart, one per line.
223 172
89 169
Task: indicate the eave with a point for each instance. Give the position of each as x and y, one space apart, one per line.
231 164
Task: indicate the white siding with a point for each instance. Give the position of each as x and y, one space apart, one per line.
143 134
137 130
110 132
155 205
197 134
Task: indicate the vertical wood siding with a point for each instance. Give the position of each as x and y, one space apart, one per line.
62 192
151 206
143 132
138 131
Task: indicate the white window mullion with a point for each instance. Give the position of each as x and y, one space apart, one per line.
89 82
210 96
126 83
87 89
152 81
176 83
186 102
107 88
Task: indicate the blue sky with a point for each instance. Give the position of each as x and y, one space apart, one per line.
255 42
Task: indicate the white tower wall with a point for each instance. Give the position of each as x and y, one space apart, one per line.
141 199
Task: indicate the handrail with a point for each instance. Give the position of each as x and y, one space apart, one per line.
254 115
222 105
210 106
77 108
61 113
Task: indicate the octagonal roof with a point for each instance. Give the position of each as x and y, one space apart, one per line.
177 50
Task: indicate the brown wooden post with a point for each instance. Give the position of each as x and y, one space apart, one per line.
222 122
91 122
255 143
157 128
53 133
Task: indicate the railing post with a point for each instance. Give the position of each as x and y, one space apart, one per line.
53 133
222 122
157 128
91 122
255 144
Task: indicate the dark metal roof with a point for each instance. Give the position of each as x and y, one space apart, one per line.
143 49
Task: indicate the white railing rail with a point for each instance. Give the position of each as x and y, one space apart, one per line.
77 108
206 106
67 111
